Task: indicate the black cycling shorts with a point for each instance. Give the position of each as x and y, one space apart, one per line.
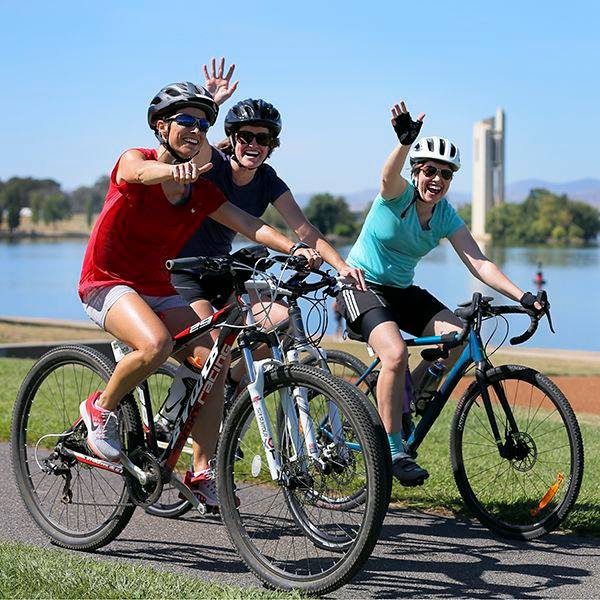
217 289
412 308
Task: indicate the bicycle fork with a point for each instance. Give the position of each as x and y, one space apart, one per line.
294 403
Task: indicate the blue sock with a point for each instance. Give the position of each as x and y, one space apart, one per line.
397 446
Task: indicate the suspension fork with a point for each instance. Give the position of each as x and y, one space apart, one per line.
333 422
320 355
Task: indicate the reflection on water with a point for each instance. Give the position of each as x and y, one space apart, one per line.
548 256
40 278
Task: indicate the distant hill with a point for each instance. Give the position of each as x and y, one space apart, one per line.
587 190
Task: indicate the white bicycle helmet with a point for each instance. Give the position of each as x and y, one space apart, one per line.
435 148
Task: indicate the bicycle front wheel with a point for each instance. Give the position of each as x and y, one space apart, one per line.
282 530
525 489
79 506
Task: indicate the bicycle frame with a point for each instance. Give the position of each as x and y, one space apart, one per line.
230 319
472 354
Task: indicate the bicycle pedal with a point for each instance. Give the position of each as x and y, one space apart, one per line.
415 483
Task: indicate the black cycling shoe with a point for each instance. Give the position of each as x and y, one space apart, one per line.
408 472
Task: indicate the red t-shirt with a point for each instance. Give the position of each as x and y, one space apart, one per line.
138 230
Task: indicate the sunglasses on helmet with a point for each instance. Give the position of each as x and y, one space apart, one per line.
247 137
189 122
430 171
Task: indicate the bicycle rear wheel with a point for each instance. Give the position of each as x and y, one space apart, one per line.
79 506
348 367
283 533
528 491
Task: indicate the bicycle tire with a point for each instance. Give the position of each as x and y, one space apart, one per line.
169 505
47 404
350 368
248 497
521 496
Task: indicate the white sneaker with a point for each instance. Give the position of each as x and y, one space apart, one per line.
103 429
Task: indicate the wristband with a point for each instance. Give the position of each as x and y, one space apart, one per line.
297 246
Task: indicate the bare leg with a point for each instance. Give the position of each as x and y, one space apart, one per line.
387 342
130 319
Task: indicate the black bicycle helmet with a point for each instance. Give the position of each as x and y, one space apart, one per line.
253 112
178 95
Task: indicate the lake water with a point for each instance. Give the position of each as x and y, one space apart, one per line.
39 279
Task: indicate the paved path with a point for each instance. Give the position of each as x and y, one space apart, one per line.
419 555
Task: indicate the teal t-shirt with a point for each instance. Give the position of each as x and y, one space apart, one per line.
389 247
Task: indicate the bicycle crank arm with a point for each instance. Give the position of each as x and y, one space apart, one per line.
133 469
189 496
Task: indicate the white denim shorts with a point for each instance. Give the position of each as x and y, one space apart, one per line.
98 301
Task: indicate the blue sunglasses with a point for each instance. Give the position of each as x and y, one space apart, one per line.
189 122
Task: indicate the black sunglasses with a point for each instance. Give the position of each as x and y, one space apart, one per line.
430 171
188 121
262 139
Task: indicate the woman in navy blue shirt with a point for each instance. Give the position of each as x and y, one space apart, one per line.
252 128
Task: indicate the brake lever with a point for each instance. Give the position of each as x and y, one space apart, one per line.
542 298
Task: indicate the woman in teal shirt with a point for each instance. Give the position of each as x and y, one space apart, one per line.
406 221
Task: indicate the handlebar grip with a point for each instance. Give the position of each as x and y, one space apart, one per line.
197 262
519 339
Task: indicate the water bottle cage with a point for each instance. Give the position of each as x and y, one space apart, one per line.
424 400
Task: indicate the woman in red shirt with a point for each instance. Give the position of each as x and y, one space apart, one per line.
155 201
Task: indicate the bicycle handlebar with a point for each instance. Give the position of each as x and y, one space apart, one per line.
224 264
480 305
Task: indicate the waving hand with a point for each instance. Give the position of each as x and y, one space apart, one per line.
220 87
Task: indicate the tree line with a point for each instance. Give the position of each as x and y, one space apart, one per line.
47 201
542 218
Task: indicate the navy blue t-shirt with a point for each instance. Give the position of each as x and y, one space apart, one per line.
214 239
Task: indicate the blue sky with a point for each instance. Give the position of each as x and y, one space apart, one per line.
77 78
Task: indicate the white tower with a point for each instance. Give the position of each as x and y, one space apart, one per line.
488 170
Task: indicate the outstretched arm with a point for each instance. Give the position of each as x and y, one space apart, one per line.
257 230
310 235
407 130
482 267
134 168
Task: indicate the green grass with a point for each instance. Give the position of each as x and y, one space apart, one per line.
27 571
12 373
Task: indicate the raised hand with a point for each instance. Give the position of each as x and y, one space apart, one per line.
406 129
220 87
